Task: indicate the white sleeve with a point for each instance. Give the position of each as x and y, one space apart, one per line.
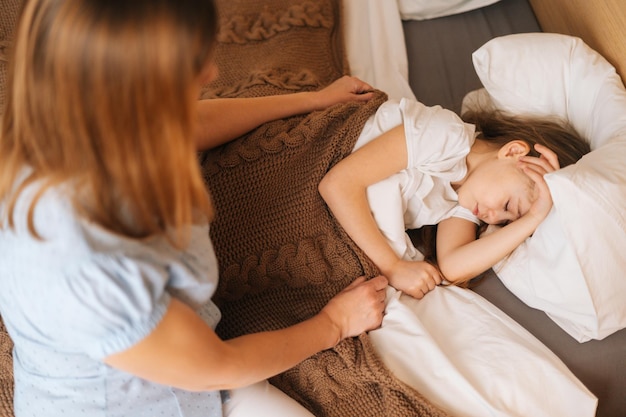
388 208
463 213
437 140
105 304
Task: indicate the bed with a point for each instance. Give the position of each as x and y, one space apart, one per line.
596 354
447 78
501 350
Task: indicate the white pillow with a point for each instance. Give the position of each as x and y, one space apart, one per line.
429 9
574 265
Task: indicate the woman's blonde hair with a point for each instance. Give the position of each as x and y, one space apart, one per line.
101 96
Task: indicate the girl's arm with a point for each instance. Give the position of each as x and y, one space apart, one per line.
224 119
184 352
461 257
344 190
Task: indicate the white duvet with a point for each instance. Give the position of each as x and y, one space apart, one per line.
468 357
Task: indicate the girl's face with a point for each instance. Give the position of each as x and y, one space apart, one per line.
497 191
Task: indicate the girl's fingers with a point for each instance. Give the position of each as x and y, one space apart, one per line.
529 167
538 164
535 173
548 160
548 155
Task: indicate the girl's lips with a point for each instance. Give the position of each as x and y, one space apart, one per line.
475 211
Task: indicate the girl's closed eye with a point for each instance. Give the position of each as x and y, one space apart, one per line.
507 207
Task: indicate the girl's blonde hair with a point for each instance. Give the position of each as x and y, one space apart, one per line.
101 96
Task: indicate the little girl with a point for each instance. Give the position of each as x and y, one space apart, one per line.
106 266
415 165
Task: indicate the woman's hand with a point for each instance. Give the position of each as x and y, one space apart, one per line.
359 307
415 278
536 168
343 90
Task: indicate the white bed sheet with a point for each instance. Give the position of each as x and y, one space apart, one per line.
454 346
375 45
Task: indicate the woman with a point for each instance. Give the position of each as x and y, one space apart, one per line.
106 265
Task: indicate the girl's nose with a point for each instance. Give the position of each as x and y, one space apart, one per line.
491 216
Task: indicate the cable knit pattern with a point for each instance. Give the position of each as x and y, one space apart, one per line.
248 28
273 77
4 50
9 11
282 255
352 377
6 373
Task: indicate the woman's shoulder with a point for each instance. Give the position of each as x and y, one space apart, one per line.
71 248
60 227
79 275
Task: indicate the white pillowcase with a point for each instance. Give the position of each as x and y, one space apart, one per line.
574 265
429 9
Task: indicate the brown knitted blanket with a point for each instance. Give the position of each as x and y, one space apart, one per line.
282 255
9 10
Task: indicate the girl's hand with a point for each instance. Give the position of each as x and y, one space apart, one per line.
359 307
415 278
343 90
536 168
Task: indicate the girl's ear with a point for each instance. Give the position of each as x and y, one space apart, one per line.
514 149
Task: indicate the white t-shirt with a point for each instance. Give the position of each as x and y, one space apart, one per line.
438 142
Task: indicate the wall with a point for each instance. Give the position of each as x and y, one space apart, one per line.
600 23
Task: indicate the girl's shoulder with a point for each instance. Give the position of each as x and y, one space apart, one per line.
437 139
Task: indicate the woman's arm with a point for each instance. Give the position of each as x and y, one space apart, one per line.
344 189
224 119
184 352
